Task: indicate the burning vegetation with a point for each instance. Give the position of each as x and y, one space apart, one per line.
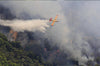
14 34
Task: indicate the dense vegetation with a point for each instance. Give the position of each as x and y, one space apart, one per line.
12 54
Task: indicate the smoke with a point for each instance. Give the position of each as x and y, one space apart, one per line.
83 20
26 25
77 20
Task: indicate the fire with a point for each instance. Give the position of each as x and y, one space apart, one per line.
14 34
55 53
45 49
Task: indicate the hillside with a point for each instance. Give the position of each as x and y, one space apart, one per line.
12 54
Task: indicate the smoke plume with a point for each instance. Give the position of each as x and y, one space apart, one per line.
26 25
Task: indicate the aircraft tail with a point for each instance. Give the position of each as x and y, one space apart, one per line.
50 19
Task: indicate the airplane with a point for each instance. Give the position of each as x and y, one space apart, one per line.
53 21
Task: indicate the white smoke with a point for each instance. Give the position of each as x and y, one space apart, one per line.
26 25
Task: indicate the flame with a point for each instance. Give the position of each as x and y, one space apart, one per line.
56 52
45 49
14 36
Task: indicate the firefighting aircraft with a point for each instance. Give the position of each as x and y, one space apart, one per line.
53 21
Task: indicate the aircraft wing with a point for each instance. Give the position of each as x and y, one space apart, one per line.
56 17
53 23
54 20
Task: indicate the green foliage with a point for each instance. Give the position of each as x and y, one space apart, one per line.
12 54
16 44
3 36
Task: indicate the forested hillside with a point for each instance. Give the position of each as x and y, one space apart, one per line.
12 54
